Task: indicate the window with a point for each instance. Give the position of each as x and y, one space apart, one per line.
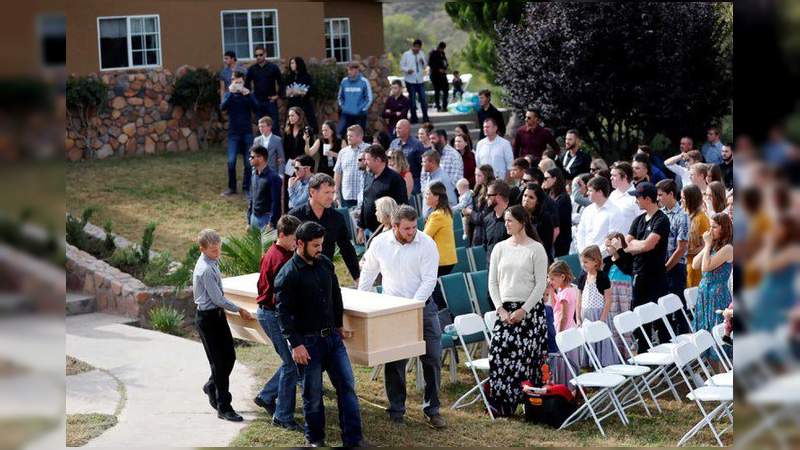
132 41
337 39
53 39
243 31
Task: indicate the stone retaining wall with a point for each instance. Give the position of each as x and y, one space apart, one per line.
138 118
118 292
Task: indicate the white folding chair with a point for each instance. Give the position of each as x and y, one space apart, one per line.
605 383
490 318
690 294
468 324
671 304
594 332
652 313
705 342
685 354
717 332
628 322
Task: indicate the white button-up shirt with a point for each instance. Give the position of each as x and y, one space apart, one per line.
627 206
497 153
596 222
417 63
408 270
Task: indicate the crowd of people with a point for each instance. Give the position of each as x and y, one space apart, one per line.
640 229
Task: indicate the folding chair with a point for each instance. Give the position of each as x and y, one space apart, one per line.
690 294
605 383
628 322
477 257
470 325
420 223
459 302
652 313
462 264
705 342
594 332
685 354
717 332
671 303
479 283
489 318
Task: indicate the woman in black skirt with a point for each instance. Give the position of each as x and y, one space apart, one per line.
517 281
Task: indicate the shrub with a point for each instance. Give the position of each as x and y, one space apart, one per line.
166 319
182 276
326 81
86 96
125 259
156 271
109 243
242 254
147 241
74 228
196 89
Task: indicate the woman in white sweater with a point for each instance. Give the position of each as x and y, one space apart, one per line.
517 280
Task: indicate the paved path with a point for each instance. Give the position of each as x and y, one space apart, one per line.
93 392
162 376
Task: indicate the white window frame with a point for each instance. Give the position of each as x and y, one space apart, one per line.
349 38
130 47
249 56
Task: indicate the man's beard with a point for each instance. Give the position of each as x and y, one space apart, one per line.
402 239
307 256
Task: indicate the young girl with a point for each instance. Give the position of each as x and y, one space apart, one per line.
594 290
621 285
562 297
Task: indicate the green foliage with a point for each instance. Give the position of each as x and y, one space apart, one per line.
74 227
400 30
109 241
195 90
242 254
480 19
326 81
85 94
166 319
147 242
126 259
181 277
157 271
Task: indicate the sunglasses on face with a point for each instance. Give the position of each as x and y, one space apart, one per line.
258 55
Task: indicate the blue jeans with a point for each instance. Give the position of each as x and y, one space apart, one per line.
415 89
329 354
260 221
269 108
346 120
239 144
280 389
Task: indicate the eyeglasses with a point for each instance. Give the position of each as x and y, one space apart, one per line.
546 177
259 54
253 156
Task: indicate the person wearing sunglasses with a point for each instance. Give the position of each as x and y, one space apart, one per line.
298 183
265 80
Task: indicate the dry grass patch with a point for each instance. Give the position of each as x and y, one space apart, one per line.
82 428
76 366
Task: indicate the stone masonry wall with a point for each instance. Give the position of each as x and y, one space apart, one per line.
138 118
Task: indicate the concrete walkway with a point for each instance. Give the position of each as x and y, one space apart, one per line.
93 392
162 376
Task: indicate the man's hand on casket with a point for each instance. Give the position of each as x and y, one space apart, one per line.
344 334
300 355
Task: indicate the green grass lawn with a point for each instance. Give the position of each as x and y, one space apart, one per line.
181 192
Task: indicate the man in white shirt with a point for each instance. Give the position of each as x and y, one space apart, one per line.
408 261
621 175
413 63
599 218
348 178
494 150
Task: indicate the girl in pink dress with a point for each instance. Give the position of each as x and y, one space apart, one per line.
563 297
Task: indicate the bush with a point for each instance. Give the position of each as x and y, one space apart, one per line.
196 89
182 276
109 243
327 78
166 319
85 94
242 254
74 228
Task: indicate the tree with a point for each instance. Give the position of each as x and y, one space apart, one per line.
196 90
480 19
620 72
399 31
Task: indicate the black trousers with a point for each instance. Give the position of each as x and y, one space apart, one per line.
647 290
437 295
218 344
440 86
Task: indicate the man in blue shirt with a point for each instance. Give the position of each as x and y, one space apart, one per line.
298 183
355 97
412 149
677 245
712 150
240 104
264 206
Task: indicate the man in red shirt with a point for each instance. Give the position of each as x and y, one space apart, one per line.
532 138
278 395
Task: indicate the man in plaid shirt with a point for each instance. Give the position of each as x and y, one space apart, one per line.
348 178
450 159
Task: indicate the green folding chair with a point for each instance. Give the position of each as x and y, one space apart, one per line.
477 258
462 266
459 301
574 263
479 284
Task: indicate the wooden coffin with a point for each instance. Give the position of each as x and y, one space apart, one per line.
380 328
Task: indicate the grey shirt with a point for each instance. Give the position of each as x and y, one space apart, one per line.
207 286
276 158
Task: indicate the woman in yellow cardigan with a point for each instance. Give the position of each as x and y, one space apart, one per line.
439 226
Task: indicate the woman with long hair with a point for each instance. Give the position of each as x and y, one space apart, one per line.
439 226
543 219
555 185
517 281
295 144
715 198
463 144
715 261
299 85
326 148
484 176
692 202
399 163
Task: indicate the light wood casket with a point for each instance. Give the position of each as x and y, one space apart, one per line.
381 328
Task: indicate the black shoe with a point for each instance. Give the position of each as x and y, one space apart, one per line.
270 408
212 397
291 426
228 193
316 444
229 415
437 422
397 420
